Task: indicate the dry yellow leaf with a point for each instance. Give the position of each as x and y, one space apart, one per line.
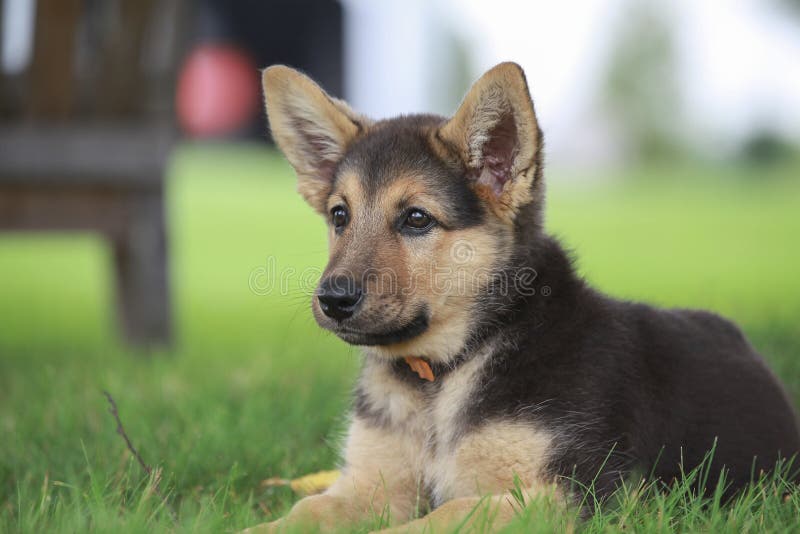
314 483
306 485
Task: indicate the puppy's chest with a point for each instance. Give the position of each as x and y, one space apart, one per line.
452 456
442 428
433 412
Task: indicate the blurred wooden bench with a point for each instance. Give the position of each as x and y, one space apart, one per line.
85 134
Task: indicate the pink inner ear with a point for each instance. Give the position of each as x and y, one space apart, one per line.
498 154
317 148
320 147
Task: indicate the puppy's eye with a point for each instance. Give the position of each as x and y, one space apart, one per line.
418 220
339 217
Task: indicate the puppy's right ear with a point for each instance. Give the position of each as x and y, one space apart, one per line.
311 128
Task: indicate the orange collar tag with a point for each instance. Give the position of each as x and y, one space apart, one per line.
421 367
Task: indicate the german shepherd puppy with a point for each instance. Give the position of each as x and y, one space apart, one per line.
488 363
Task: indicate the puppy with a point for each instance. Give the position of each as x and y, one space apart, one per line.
488 363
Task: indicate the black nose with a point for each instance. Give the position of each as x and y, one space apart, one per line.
339 297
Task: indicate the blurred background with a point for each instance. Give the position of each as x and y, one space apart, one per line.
152 244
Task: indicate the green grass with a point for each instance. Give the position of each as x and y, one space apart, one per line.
253 389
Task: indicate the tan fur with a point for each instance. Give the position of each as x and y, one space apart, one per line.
382 470
499 92
484 461
325 513
385 392
468 514
462 261
411 191
348 191
311 128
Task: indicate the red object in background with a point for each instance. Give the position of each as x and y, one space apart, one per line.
218 91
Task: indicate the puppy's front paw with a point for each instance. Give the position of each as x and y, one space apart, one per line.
418 526
318 513
265 528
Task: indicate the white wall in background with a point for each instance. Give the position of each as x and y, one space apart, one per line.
387 67
17 34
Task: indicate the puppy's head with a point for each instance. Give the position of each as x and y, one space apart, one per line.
422 211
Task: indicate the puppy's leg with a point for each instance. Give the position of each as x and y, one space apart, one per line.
324 512
485 462
473 514
380 478
466 513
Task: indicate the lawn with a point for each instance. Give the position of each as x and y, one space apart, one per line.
253 389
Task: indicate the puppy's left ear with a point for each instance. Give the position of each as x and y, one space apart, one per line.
498 138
